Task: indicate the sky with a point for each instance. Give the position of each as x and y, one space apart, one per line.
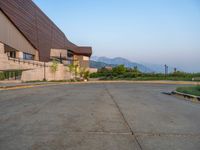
143 31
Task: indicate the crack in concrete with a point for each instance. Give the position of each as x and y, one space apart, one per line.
167 134
144 134
124 118
148 134
111 133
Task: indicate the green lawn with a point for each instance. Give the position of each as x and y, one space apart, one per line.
193 90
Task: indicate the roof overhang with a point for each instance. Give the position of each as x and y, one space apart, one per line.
83 50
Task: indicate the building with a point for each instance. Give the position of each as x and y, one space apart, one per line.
26 33
29 34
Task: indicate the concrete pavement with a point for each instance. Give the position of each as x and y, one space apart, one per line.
118 116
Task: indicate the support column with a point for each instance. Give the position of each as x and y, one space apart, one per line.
1 48
20 55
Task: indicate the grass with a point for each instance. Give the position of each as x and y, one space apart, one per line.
41 81
148 78
35 81
193 90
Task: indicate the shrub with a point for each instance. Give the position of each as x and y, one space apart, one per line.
85 74
54 67
10 74
119 69
2 77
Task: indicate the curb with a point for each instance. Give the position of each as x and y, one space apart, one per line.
148 82
13 87
20 86
189 96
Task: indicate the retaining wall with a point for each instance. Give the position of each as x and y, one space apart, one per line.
34 71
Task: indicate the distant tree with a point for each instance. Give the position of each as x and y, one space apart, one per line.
136 69
119 69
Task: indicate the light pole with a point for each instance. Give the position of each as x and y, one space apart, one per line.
166 70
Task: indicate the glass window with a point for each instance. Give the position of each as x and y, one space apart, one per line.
69 53
28 56
12 54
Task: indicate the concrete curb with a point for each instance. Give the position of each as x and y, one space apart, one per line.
149 82
193 98
10 87
22 86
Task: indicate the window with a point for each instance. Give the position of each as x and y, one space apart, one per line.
12 54
69 53
28 56
10 51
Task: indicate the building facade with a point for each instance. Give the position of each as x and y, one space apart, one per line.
28 34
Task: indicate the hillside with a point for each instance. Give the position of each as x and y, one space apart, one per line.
105 61
98 65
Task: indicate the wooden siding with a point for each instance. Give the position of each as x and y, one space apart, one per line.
59 52
36 27
9 35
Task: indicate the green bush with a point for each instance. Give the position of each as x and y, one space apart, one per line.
84 73
10 74
2 77
119 69
121 72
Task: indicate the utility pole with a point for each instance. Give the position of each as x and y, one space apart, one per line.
175 70
166 70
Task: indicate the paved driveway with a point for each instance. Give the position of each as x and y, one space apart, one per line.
117 116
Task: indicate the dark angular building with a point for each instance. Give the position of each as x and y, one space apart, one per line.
40 38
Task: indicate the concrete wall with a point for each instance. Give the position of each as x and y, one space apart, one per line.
34 72
11 36
38 74
6 64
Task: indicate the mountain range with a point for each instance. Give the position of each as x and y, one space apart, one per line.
99 62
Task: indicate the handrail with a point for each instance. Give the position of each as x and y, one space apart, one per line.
33 62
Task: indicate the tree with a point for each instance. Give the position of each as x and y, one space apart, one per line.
119 69
54 67
136 69
72 70
84 73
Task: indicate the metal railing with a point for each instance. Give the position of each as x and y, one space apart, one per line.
31 62
65 62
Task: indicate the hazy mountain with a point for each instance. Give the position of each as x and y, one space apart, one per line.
99 65
120 61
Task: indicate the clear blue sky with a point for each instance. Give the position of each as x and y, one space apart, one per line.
144 31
